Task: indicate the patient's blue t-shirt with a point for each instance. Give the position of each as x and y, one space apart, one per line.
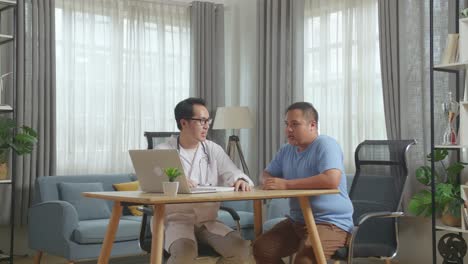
322 154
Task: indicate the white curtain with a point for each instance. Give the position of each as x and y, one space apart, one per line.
342 71
122 65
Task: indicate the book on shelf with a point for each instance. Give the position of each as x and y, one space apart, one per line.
450 54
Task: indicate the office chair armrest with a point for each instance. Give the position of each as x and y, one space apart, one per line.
232 212
349 252
368 216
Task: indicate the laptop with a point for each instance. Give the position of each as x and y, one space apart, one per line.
149 165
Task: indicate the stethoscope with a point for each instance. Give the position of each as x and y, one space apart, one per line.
204 150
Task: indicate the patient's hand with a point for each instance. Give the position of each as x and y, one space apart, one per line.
274 184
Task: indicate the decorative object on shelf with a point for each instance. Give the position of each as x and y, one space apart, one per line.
234 117
170 188
450 54
447 190
1 85
465 94
452 248
451 109
464 13
20 139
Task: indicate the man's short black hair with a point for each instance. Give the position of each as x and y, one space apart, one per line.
307 109
184 109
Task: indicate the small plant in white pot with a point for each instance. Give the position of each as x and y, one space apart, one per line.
170 188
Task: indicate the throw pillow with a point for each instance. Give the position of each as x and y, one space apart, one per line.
87 208
129 186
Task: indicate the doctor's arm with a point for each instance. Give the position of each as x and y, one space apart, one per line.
329 179
230 173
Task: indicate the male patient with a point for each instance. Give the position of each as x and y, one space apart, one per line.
308 161
204 163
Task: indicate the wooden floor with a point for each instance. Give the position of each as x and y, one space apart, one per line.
46 259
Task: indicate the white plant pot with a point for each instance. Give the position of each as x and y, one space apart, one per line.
170 188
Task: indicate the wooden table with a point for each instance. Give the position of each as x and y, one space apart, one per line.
159 200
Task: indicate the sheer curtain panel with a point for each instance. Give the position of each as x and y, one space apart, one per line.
342 76
122 65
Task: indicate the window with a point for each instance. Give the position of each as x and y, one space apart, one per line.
121 67
342 76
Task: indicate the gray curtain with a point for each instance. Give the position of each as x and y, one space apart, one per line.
389 64
280 70
207 55
35 95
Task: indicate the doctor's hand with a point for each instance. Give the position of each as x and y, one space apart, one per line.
192 183
274 184
241 185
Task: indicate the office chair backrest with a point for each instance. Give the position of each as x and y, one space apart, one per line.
381 172
154 138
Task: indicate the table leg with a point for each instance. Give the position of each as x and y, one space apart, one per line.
157 242
110 233
258 223
312 228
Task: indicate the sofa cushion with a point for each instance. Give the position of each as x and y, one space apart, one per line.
93 231
87 208
129 186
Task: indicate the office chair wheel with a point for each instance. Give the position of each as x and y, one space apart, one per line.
452 248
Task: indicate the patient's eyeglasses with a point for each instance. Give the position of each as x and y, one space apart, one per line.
203 121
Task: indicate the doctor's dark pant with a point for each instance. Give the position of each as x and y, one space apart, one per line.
232 248
288 237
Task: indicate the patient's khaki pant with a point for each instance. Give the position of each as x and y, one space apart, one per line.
288 237
232 248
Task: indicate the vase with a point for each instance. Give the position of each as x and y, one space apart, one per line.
170 188
449 219
451 111
4 155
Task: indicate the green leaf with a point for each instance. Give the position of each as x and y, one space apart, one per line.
420 203
172 173
423 175
453 171
439 154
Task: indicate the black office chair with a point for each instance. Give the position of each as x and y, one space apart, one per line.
376 193
145 231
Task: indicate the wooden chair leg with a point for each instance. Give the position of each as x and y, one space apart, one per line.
388 261
37 257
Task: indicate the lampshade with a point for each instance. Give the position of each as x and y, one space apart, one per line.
232 117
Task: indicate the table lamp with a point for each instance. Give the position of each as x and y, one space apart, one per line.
233 117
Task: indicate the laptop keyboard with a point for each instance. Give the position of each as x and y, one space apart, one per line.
212 189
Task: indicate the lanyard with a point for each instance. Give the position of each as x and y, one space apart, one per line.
192 163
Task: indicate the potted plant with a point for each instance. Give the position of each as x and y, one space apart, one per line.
170 188
20 139
447 190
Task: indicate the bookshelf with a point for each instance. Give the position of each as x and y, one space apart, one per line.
456 68
9 39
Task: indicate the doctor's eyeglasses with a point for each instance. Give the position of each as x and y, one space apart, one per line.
203 121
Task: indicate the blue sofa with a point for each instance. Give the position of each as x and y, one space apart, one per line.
65 224
58 228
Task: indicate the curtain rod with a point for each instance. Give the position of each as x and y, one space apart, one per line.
174 2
